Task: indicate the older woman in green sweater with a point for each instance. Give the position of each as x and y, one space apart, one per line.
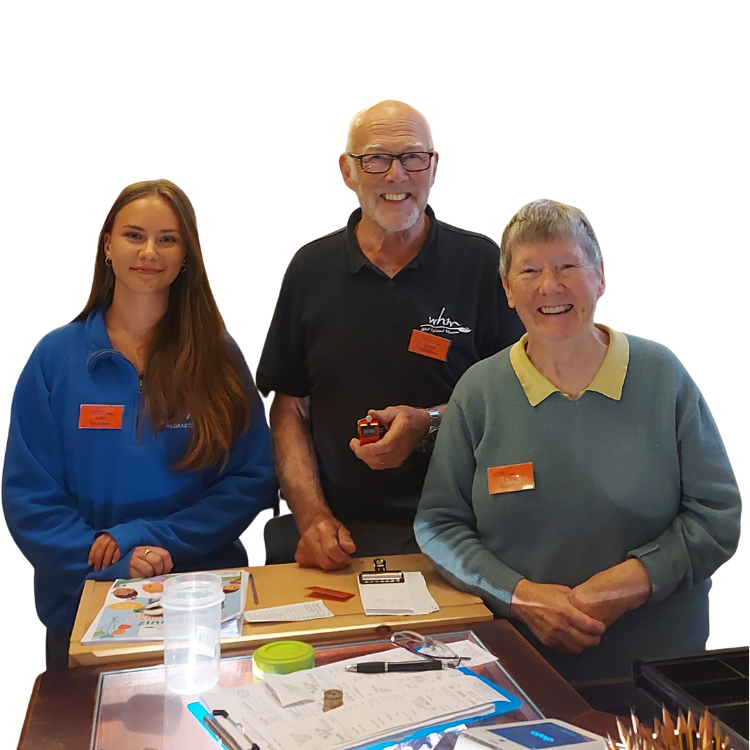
579 484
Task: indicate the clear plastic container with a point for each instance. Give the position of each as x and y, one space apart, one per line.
192 632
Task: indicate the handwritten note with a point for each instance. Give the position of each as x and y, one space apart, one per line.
314 610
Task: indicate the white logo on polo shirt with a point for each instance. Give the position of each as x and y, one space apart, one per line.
442 324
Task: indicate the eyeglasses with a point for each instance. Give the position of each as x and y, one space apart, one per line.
416 161
423 645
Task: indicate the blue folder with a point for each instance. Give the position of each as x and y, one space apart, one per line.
511 703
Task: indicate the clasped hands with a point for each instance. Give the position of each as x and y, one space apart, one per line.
406 428
572 619
145 562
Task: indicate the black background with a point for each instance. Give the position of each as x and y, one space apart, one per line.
671 264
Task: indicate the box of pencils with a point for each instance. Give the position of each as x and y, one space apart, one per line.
714 681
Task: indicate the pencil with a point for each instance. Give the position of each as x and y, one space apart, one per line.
682 731
252 586
622 732
717 736
668 729
691 730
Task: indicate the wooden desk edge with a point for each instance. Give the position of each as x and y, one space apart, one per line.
345 632
29 708
470 609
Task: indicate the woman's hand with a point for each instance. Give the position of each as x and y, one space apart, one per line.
104 551
606 596
547 611
146 562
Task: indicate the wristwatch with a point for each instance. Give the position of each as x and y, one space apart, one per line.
435 418
429 441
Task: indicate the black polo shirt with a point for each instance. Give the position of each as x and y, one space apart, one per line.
340 334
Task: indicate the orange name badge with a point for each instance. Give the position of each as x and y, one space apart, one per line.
429 345
511 478
100 417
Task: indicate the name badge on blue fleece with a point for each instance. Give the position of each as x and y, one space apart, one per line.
100 417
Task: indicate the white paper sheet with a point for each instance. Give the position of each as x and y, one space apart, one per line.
375 706
473 654
408 598
313 610
310 684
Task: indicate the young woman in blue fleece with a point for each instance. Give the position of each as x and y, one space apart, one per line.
138 443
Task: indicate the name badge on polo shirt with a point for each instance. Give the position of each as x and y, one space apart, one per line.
429 345
100 417
512 478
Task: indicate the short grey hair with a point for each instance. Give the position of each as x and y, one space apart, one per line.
545 221
358 116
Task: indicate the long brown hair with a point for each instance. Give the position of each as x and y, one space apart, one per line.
191 367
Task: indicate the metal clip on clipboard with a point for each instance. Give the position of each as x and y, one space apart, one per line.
381 574
211 720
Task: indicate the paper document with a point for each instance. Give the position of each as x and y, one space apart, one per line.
285 712
473 655
313 610
309 684
132 610
408 598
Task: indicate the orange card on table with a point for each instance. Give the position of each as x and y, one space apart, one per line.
429 345
511 478
100 417
341 596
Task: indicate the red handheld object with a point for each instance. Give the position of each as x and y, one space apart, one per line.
369 430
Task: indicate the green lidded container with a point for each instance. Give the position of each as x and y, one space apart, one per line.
282 657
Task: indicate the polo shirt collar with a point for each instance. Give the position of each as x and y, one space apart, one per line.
609 381
356 259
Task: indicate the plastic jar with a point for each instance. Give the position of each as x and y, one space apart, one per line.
192 632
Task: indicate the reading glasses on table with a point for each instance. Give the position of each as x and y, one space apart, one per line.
424 645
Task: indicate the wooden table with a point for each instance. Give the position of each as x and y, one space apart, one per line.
285 584
61 710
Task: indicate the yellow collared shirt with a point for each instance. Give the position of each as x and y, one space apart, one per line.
608 381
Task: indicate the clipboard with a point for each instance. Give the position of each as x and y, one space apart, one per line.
211 723
500 707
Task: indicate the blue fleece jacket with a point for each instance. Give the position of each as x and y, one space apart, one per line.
63 485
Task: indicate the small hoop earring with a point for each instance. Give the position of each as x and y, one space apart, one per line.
107 261
183 268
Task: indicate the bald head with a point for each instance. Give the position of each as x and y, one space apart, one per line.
387 116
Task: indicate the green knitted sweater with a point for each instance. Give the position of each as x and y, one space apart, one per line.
646 476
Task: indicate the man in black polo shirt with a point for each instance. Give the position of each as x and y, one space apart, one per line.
379 318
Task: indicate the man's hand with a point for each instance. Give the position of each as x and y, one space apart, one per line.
606 596
325 543
406 428
104 551
146 562
547 611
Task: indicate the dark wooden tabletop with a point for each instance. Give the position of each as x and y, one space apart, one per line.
61 710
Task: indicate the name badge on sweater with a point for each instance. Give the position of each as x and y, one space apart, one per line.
512 478
429 345
100 417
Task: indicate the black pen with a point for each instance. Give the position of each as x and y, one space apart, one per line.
376 667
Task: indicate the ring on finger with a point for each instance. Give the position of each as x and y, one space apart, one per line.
143 556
